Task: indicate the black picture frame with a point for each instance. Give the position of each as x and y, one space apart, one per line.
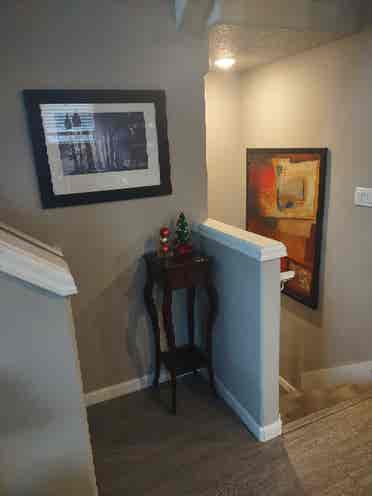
34 98
311 300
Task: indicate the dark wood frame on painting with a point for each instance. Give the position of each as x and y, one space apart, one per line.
312 300
34 98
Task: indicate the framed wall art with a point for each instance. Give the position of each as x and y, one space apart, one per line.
285 201
98 145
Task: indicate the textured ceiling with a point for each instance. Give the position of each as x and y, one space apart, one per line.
251 47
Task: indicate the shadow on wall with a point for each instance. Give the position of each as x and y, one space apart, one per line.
137 319
116 325
119 307
303 330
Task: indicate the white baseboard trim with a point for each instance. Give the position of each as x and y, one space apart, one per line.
355 373
262 433
122 389
287 386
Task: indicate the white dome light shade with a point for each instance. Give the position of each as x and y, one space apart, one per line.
225 63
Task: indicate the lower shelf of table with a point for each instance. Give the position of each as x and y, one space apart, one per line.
184 359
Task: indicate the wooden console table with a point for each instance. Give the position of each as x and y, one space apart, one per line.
173 273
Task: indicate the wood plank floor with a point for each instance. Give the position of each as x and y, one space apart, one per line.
139 449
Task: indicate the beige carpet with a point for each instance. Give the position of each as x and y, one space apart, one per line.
316 403
142 450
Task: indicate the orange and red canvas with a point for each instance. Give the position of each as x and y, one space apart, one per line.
285 199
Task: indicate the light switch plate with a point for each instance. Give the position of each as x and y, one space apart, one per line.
363 197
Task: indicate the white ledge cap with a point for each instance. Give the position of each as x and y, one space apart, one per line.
287 276
251 244
32 261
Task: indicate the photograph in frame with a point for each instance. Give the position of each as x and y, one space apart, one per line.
99 146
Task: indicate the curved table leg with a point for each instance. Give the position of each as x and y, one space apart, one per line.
190 317
212 314
153 314
169 330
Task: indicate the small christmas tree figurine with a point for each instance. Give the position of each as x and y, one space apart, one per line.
182 239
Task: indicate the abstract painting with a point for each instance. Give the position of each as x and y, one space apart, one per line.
285 201
92 146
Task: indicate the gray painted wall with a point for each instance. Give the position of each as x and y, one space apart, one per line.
270 339
246 334
111 44
44 441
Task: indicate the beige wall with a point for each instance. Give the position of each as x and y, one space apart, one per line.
316 99
322 98
225 154
114 45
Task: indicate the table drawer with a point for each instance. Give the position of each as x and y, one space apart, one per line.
194 275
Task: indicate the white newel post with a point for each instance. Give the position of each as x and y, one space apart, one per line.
247 332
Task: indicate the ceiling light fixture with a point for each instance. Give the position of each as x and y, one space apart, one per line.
225 63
